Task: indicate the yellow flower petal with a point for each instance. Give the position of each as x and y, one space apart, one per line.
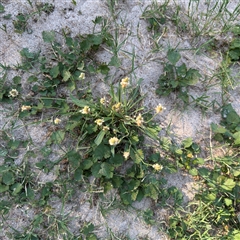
157 167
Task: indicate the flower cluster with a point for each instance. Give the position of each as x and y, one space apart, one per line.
105 128
114 141
159 108
85 110
116 107
103 101
13 93
57 121
25 108
126 155
99 122
157 167
82 76
139 119
125 82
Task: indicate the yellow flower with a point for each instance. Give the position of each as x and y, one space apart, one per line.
126 79
102 100
13 93
82 76
25 108
125 82
57 120
99 122
157 167
126 155
114 141
85 110
139 119
190 155
159 108
105 128
116 107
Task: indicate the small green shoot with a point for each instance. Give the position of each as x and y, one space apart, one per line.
176 78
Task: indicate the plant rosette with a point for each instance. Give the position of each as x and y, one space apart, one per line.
113 130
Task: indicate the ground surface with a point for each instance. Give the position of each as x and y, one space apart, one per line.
137 39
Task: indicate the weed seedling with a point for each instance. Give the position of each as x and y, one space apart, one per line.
176 78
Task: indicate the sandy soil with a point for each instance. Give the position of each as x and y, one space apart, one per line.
189 123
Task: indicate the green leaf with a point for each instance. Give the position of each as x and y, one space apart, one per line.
117 160
99 137
29 193
32 78
96 170
236 235
218 128
210 197
199 161
235 43
117 181
107 186
74 158
115 62
152 132
81 103
45 164
179 151
3 188
66 75
87 229
126 198
17 187
98 20
150 191
134 139
193 172
138 156
86 164
234 54
78 174
192 76
134 195
236 173
237 138
228 185
230 116
14 144
133 184
155 157
2 8
4 168
107 170
3 152
58 136
103 68
204 172
95 39
173 56
25 53
187 142
91 236
228 202
182 70
8 178
71 86
48 36
54 71
17 80
101 151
